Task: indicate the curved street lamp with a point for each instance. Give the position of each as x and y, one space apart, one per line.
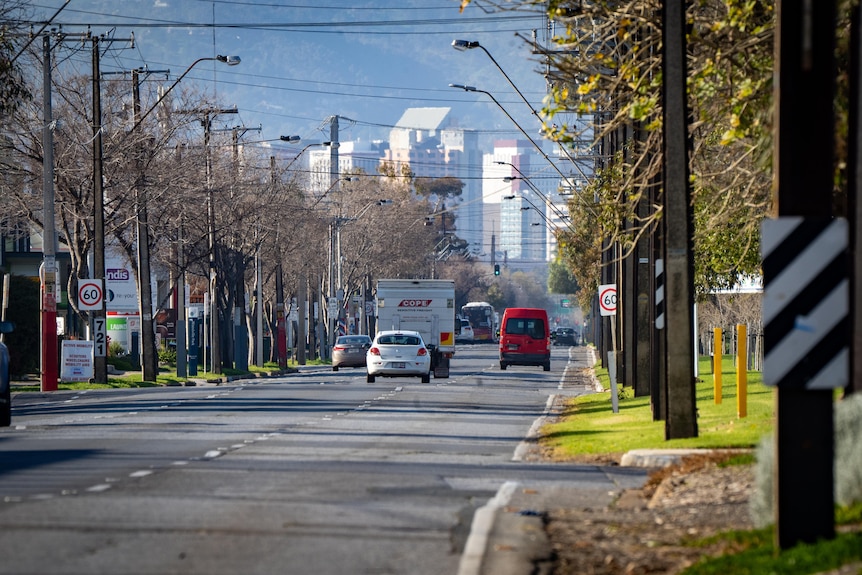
463 45
524 132
229 60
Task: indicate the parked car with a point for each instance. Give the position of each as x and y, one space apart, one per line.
525 338
349 351
565 336
466 333
396 353
5 386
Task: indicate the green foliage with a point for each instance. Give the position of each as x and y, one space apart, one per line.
560 278
848 463
115 349
445 187
760 556
168 356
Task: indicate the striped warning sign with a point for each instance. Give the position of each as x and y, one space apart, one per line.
659 293
805 303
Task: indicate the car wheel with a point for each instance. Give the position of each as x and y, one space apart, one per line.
426 378
503 365
334 368
369 378
546 366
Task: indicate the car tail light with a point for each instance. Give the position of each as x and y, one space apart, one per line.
374 351
422 351
339 348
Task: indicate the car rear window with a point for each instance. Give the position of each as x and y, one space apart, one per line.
534 327
398 340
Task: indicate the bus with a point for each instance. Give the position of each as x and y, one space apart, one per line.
483 319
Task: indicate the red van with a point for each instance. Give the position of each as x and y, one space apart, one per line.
525 338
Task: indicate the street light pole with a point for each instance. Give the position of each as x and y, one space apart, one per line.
526 135
462 45
148 353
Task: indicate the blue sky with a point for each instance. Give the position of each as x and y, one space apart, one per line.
305 60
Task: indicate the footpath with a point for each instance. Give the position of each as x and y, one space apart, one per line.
507 536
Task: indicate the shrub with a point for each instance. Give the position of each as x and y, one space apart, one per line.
168 356
115 349
848 463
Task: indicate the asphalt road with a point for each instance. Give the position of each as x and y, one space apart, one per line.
316 472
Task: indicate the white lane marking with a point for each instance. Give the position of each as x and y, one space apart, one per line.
141 473
533 433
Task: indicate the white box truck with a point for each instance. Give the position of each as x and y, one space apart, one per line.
426 306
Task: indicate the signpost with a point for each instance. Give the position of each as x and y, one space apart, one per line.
608 307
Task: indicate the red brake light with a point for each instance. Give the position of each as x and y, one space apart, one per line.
374 351
338 348
422 351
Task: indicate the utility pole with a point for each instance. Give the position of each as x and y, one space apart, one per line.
99 316
281 331
150 362
681 419
806 291
49 356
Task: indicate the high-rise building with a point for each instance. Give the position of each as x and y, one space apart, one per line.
430 142
520 196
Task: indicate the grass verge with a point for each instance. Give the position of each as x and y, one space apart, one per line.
588 427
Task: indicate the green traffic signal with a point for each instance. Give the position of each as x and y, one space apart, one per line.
496 269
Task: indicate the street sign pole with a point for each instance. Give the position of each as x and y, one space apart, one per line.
608 308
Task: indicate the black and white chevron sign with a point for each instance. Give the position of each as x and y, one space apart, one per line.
659 294
805 303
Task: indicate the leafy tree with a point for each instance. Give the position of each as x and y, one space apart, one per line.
604 69
561 279
13 88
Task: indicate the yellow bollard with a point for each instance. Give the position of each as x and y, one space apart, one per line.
741 371
716 365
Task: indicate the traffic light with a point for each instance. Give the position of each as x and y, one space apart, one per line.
496 269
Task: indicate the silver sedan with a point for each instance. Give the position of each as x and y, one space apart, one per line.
349 351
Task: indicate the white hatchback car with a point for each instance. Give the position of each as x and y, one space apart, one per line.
398 354
466 335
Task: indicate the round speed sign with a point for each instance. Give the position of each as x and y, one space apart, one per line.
608 299
90 294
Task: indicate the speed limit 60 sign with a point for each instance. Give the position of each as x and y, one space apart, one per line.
91 294
608 299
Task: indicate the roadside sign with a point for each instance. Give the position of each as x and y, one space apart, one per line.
91 294
608 299
100 337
